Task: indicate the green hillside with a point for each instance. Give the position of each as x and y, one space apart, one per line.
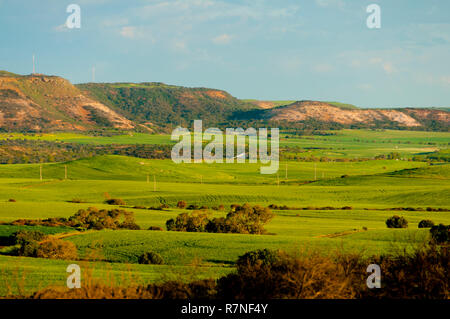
161 104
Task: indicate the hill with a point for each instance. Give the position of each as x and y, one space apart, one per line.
159 104
43 103
303 111
39 102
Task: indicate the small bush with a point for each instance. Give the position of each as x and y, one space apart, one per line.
57 249
77 200
426 223
397 222
115 201
258 257
155 228
181 204
194 222
440 233
23 236
151 258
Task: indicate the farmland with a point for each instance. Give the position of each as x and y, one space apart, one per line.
315 191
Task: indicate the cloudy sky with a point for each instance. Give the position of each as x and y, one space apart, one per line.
263 49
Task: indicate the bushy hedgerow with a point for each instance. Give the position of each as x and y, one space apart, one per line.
193 222
151 258
396 222
91 218
426 223
35 244
420 274
22 236
57 249
28 242
245 219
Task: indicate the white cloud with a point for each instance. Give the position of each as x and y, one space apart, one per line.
128 32
179 45
61 28
222 39
388 67
196 11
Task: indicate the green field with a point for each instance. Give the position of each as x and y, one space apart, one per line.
370 187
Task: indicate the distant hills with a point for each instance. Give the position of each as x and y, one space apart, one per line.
46 103
348 115
49 103
161 105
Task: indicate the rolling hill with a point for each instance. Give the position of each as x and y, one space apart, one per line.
333 112
39 103
43 103
159 104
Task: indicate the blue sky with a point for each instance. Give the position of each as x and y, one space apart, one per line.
284 49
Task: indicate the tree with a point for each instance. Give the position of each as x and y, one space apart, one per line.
396 222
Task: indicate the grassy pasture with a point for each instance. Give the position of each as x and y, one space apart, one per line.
371 187
112 167
345 144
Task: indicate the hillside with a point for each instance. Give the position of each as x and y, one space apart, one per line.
303 111
158 104
44 103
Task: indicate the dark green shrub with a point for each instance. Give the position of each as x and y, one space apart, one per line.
57 249
396 222
115 201
23 236
151 258
245 219
77 200
28 242
426 223
28 249
155 228
193 222
440 233
258 257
